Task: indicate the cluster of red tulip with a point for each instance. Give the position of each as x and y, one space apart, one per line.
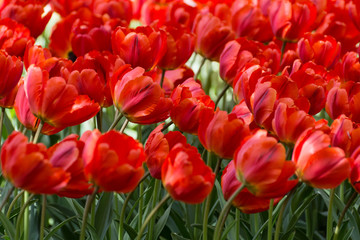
293 67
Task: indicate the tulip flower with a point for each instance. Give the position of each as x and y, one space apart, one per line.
317 164
289 122
321 49
10 71
65 7
211 36
349 67
289 19
189 100
14 37
27 166
185 175
180 46
114 9
67 155
245 200
221 133
261 165
139 97
29 13
354 177
27 118
55 101
140 47
158 146
113 161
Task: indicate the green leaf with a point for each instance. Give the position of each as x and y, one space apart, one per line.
9 227
57 227
176 236
159 226
132 233
103 214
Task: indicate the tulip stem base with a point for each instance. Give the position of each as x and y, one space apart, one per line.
224 213
151 214
341 218
152 222
89 201
329 227
42 219
270 227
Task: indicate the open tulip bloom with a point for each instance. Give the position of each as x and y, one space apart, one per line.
182 120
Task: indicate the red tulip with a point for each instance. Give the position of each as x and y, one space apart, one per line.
67 155
113 161
289 122
317 164
29 13
321 49
180 46
185 175
261 165
221 133
55 101
157 148
354 177
211 36
27 166
121 9
245 200
14 37
138 97
10 71
189 100
349 67
248 21
140 47
65 7
290 19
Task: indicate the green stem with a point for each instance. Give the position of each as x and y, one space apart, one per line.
329 227
155 195
89 201
222 93
281 214
309 222
199 70
99 120
21 213
193 60
93 213
12 204
196 220
26 217
256 222
237 227
123 209
162 78
282 50
38 131
342 191
116 121
166 126
224 212
270 227
150 216
2 115
124 125
141 205
42 220
7 197
341 218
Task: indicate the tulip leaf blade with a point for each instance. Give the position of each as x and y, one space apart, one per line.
159 226
103 214
7 225
57 227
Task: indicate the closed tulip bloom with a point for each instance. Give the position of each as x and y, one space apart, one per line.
245 200
139 97
290 19
27 166
140 47
341 131
317 164
185 175
180 46
289 122
321 49
30 13
261 165
11 69
113 161
211 36
67 155
354 177
55 101
157 148
27 118
221 133
14 37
